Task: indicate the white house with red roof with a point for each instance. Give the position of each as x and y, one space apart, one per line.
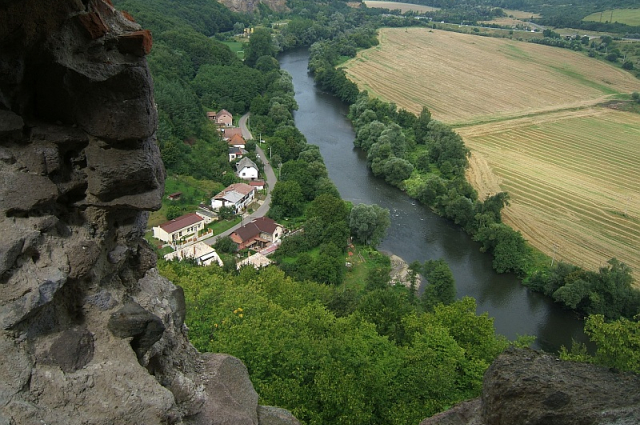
237 196
179 228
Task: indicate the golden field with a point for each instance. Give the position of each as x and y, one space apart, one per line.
529 115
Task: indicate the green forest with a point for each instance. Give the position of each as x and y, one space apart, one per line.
335 344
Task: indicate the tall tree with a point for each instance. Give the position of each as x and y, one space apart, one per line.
369 223
260 44
441 286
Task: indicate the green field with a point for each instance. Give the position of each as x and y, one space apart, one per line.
237 47
623 16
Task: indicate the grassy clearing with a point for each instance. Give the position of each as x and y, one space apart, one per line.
529 114
236 47
623 16
193 193
403 7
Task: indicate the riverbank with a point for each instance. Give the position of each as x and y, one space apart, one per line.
401 274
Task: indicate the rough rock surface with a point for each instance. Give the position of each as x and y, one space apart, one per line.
89 331
529 387
252 5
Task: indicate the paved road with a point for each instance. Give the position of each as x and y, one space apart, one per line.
270 180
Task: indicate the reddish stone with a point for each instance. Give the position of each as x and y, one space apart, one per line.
93 24
127 15
137 43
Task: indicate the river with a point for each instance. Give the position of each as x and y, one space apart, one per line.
418 234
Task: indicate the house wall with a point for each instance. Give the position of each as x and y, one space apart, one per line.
225 119
248 173
160 234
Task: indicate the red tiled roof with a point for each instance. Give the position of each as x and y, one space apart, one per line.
181 222
236 139
229 132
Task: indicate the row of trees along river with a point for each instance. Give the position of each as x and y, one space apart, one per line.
417 234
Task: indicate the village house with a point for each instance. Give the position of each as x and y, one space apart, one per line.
222 117
237 196
257 234
202 253
237 141
236 153
246 169
229 132
179 228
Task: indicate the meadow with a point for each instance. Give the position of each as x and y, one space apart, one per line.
533 118
623 16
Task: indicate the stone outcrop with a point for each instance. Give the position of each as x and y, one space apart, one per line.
90 332
250 6
529 387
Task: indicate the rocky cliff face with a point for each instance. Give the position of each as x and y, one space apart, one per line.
90 332
249 6
525 387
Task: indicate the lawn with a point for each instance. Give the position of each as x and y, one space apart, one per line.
193 193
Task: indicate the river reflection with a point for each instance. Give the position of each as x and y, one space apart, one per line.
418 234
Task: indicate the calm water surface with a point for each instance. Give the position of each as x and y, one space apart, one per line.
415 232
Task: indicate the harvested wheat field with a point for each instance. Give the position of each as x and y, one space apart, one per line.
466 79
528 113
574 180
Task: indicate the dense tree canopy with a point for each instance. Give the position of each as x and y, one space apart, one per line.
368 223
382 363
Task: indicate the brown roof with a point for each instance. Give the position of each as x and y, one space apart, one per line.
236 139
229 132
257 226
181 222
239 187
256 183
